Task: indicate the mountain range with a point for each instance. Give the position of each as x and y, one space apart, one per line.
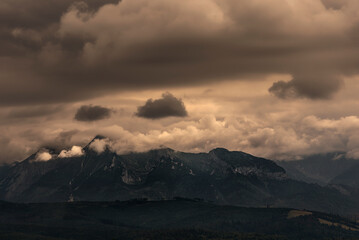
324 169
219 176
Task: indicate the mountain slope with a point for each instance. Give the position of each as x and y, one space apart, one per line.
3 170
318 168
349 177
220 176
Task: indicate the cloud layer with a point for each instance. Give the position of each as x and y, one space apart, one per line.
155 44
283 142
167 106
258 76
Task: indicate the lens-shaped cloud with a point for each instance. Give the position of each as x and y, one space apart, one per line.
320 86
167 106
90 113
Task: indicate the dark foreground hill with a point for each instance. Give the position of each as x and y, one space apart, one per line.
175 219
221 176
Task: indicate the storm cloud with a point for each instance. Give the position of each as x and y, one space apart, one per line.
167 106
90 113
313 87
88 50
279 78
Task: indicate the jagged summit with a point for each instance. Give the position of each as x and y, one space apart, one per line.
98 137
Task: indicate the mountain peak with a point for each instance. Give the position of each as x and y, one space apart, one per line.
219 150
99 137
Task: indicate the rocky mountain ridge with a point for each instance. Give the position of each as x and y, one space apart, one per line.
221 176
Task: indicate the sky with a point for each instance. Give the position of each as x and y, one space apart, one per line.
277 79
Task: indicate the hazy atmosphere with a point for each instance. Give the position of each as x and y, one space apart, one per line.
277 79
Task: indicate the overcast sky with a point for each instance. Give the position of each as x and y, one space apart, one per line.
277 79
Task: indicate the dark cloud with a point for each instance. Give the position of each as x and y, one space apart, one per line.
284 89
167 106
26 25
313 87
40 13
89 113
48 48
334 4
